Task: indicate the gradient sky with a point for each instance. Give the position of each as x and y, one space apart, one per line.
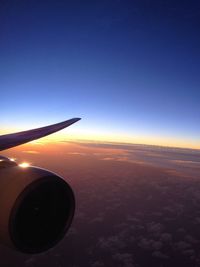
130 69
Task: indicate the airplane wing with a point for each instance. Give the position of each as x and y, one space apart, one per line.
15 139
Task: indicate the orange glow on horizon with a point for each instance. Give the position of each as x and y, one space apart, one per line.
156 141
92 136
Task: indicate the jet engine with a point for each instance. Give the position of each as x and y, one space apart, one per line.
36 207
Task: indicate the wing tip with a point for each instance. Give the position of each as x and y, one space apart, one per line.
77 119
73 120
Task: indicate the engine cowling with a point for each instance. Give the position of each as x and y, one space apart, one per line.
36 207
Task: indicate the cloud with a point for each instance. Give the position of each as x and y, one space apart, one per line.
97 264
166 237
160 255
31 151
111 243
108 158
30 262
145 244
176 160
155 228
97 220
77 153
124 258
182 245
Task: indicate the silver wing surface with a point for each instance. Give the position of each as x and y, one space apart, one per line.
15 139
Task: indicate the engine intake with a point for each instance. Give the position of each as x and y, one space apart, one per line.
36 208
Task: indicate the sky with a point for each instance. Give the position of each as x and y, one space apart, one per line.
129 69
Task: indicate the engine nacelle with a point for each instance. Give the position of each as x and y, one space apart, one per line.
36 207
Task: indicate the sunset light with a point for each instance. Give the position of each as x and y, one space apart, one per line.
24 164
100 112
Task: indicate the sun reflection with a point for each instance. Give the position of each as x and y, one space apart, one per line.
24 164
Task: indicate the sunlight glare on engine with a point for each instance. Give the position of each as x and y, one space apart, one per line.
24 164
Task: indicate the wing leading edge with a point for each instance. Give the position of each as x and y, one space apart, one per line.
16 139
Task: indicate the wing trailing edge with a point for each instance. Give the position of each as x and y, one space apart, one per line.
16 139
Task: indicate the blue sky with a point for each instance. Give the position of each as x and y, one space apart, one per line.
128 68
